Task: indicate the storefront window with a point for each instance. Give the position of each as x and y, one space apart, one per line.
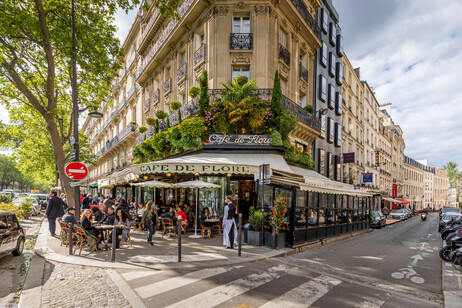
213 199
322 200
300 210
338 201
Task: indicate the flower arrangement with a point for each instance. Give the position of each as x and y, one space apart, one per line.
279 213
210 122
266 122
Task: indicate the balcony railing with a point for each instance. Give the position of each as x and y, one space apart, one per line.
146 105
168 85
131 127
241 41
181 72
155 96
301 8
301 114
303 72
199 55
122 103
151 21
132 59
284 54
132 91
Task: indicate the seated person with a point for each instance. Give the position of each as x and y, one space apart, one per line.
70 216
97 214
122 220
184 218
169 214
109 218
205 215
86 224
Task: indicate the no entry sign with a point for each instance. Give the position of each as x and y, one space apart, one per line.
76 171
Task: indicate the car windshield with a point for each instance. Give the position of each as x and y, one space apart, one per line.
398 211
451 210
448 216
376 214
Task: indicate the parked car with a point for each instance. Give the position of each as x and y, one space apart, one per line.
35 210
398 214
378 220
12 235
446 218
43 199
408 213
445 210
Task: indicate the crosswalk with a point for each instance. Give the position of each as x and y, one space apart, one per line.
267 286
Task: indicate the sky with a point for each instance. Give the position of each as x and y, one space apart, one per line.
410 52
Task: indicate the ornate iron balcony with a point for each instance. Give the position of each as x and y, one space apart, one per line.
155 96
168 85
241 41
303 72
181 72
301 8
301 114
284 54
199 55
147 105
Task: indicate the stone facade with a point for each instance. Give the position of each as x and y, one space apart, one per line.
414 175
441 186
371 135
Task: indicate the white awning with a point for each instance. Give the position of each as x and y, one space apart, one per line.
157 184
196 184
392 200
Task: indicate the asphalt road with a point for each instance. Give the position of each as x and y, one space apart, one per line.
353 273
13 270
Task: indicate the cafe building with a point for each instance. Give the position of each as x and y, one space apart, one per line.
317 206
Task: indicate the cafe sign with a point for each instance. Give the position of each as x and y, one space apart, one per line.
239 139
194 168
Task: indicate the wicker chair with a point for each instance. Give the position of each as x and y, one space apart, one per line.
129 240
168 227
64 233
84 238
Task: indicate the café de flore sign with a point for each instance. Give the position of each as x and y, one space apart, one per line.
239 139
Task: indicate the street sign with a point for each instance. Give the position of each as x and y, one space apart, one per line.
72 155
79 183
367 177
76 171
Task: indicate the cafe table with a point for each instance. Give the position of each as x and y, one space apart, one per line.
105 229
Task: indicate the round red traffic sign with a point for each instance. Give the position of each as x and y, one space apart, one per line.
76 170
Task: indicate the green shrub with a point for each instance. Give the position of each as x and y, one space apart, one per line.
276 139
142 129
241 80
204 94
194 91
175 105
195 127
150 121
256 219
11 208
287 123
26 206
309 108
4 198
298 156
160 114
286 143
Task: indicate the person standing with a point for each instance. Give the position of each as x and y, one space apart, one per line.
107 204
54 210
229 224
86 202
146 221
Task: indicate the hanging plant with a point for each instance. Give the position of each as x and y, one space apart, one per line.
150 121
279 213
142 129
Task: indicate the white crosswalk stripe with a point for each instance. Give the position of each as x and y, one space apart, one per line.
177 282
138 274
232 289
305 294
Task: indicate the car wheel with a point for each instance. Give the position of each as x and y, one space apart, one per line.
19 247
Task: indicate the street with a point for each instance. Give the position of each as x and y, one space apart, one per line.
392 267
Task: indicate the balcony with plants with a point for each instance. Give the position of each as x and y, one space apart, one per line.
239 108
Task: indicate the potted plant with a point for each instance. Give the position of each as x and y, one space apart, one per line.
26 207
278 215
176 106
255 236
309 108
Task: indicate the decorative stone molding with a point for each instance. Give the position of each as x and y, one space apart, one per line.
241 59
241 5
221 10
283 71
261 9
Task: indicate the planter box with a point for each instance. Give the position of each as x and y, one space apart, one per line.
254 238
280 240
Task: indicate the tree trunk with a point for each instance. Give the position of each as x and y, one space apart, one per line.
60 158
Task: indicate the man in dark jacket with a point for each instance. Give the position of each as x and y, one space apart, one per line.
86 202
54 210
70 216
109 218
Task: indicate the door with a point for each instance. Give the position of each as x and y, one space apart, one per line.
246 198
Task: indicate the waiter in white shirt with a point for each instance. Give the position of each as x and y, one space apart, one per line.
229 224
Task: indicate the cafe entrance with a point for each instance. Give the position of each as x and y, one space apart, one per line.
242 193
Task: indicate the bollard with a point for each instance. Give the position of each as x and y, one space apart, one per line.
179 238
70 238
114 243
240 235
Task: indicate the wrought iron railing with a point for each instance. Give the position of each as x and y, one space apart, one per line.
301 114
181 72
301 8
131 127
241 41
199 55
122 103
168 85
146 105
284 54
303 72
148 26
155 96
132 59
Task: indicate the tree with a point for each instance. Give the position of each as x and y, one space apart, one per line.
204 95
454 176
276 109
8 172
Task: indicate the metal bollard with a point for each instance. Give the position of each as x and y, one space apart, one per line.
71 238
239 240
114 243
179 238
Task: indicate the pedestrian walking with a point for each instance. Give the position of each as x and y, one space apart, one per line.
229 224
107 203
86 202
146 221
54 210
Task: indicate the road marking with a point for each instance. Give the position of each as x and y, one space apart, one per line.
416 258
125 289
230 290
305 294
157 288
138 274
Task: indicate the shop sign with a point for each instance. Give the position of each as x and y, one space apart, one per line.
239 139
348 157
367 177
193 168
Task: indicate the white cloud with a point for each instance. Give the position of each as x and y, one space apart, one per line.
412 56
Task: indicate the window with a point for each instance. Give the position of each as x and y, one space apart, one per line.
324 54
283 38
338 103
331 64
338 135
323 125
331 169
331 97
332 34
330 130
302 101
339 73
322 88
339 45
241 70
241 24
322 162
182 58
324 23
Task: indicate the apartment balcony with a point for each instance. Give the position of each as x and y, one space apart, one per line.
300 113
134 89
241 41
181 73
284 54
121 136
301 8
155 96
199 55
168 85
122 103
302 73
149 26
132 59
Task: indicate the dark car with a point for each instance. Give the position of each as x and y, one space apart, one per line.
445 210
12 235
378 220
446 218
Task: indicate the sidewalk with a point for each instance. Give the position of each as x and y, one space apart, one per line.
196 253
452 285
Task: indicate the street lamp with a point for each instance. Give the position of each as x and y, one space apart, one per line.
322 111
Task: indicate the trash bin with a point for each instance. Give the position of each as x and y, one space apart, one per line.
247 227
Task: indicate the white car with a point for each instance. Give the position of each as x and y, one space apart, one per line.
398 214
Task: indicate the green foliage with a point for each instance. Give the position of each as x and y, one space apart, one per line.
286 143
195 127
175 105
296 155
4 198
156 130
194 91
276 139
168 122
160 114
203 95
276 100
241 80
26 206
256 219
142 129
169 8
11 208
150 121
309 108
287 123
453 173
